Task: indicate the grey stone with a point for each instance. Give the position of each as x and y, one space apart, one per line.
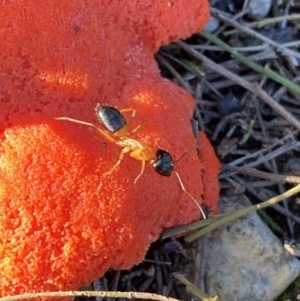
259 8
212 25
245 260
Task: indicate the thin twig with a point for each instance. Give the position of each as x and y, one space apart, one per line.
249 86
277 152
258 48
265 22
125 295
262 70
259 196
261 174
283 50
174 73
261 151
191 288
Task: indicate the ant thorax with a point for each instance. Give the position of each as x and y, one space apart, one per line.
141 150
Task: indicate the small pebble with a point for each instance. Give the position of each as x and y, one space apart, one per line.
259 8
212 25
229 104
292 166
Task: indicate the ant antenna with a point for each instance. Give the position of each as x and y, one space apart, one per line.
183 188
182 156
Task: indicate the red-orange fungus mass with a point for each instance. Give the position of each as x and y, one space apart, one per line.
58 231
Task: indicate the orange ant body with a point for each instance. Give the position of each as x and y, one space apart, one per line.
118 132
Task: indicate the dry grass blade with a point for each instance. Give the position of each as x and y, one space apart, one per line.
238 213
264 175
190 227
191 288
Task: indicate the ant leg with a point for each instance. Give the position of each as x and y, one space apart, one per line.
75 121
103 133
139 155
108 173
106 135
136 130
132 115
142 170
139 127
129 110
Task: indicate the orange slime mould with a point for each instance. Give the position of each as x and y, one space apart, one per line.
58 230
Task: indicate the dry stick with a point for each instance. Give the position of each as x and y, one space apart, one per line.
262 70
158 274
286 11
191 288
212 88
283 50
235 67
100 284
251 87
180 62
284 202
104 294
253 184
276 207
261 174
225 83
200 263
220 125
198 117
222 28
248 48
265 22
273 162
260 152
174 73
285 212
275 153
115 283
288 146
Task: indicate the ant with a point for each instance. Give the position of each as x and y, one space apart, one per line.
118 131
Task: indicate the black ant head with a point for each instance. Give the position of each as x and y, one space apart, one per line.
164 163
111 118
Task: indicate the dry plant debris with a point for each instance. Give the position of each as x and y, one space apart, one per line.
256 139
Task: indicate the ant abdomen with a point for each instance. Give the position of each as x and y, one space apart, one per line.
111 118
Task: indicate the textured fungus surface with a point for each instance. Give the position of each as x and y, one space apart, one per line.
57 229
